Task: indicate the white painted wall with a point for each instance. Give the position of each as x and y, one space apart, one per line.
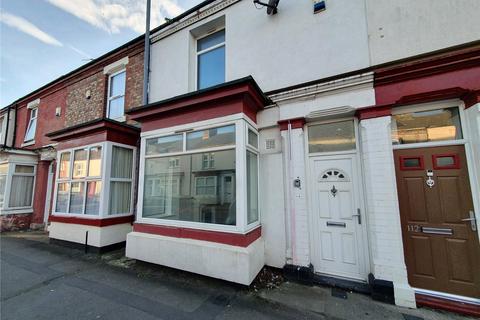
231 263
97 236
400 29
291 47
383 212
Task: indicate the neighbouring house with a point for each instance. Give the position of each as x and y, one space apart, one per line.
341 144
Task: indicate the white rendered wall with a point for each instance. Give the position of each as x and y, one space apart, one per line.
472 116
97 236
400 29
383 213
226 262
278 51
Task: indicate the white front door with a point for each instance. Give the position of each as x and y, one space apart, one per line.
337 233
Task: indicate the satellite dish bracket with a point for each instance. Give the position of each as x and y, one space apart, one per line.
273 8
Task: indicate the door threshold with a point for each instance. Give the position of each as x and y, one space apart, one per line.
449 302
342 283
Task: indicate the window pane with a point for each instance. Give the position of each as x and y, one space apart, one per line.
425 126
24 169
63 191
21 191
76 197
337 136
210 138
116 108
117 85
165 144
252 187
120 194
211 40
189 192
252 138
92 204
95 162
4 168
211 68
64 171
80 163
32 126
122 162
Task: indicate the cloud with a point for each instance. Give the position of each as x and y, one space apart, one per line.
80 52
114 15
27 27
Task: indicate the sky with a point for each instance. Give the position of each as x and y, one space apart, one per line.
40 40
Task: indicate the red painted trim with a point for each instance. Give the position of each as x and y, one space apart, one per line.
374 112
455 165
234 239
92 222
471 98
404 168
296 123
448 305
429 96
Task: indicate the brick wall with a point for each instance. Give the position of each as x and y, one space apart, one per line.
134 88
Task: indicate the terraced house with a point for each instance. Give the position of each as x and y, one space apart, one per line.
338 140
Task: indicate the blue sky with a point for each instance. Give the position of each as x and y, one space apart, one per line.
41 40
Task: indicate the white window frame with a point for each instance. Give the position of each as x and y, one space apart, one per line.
104 178
121 118
5 207
30 122
241 123
199 53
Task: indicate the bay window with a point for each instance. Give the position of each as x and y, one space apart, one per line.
204 178
95 180
17 182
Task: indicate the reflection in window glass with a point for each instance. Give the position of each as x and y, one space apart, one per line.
189 192
252 187
210 138
64 170
76 197
63 190
92 204
331 137
211 60
80 163
252 138
95 162
165 144
425 126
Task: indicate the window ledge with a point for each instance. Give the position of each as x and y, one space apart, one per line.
14 211
28 143
120 119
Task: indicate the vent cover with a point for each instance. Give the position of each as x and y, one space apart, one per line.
270 144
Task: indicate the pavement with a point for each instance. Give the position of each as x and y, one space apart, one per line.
44 281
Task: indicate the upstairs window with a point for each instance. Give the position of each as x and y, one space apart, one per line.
211 60
32 125
116 95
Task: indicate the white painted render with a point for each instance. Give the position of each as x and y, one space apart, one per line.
278 51
383 212
231 263
97 236
401 29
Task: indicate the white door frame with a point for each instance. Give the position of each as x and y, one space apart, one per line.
48 197
358 185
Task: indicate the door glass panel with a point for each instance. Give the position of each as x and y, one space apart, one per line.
426 126
445 161
337 136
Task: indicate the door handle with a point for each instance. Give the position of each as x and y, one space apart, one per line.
472 220
358 215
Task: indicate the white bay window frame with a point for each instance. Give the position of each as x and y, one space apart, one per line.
105 178
242 123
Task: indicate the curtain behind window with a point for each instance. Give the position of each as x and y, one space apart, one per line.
122 160
21 191
120 187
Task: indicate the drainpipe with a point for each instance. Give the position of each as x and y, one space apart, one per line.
146 56
14 126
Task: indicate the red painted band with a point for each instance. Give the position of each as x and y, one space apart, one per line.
374 112
92 222
296 123
234 239
449 305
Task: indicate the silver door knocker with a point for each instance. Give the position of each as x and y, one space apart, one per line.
334 191
430 182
